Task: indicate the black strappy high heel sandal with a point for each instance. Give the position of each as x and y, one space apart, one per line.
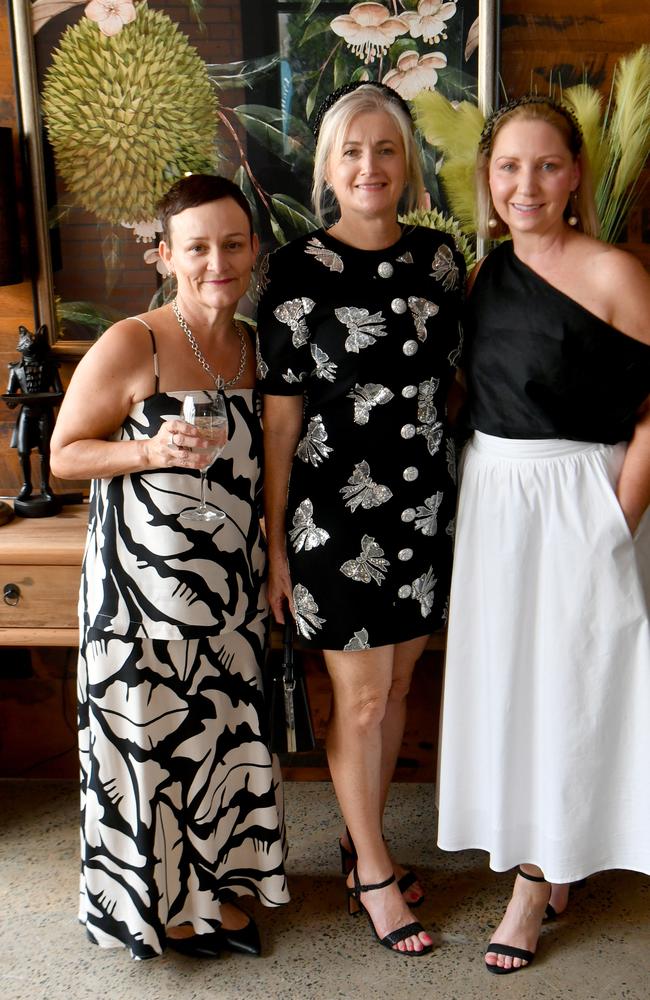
404 883
509 950
355 907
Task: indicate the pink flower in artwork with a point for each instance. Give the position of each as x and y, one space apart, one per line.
414 73
369 29
428 22
110 15
145 231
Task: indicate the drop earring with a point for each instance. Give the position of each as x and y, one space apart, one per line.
573 219
492 223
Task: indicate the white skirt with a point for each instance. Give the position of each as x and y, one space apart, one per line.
545 740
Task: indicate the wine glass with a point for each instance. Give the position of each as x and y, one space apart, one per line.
208 413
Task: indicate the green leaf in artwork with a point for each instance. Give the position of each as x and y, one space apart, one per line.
286 136
240 74
313 6
311 100
314 28
277 230
294 218
243 181
360 73
401 45
340 70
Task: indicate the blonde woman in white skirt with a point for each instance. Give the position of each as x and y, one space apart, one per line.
545 752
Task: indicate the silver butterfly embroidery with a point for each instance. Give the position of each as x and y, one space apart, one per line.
307 620
312 447
450 452
304 534
454 356
451 528
444 268
263 275
362 491
423 590
324 367
289 376
431 428
406 258
358 641
370 565
445 612
329 258
367 396
363 328
293 314
421 311
260 364
426 515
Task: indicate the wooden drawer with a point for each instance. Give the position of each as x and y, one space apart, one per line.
48 596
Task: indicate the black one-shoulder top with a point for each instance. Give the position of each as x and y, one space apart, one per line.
540 365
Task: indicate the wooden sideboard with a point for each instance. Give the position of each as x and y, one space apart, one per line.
41 557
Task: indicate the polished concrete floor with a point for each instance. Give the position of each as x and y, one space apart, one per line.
599 950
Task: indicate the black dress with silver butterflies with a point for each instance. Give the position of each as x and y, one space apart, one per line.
370 338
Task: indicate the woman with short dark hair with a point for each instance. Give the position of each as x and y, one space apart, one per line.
181 798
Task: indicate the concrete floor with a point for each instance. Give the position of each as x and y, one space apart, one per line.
599 950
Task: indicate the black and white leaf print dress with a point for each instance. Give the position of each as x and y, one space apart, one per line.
180 798
370 338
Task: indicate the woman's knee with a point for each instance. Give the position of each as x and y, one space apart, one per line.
363 709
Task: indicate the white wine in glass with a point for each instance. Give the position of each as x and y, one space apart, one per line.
208 414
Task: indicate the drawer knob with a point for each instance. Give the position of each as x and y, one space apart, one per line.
11 594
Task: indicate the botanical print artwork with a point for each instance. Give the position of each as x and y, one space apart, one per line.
304 533
293 314
307 619
329 258
362 491
370 565
367 396
364 328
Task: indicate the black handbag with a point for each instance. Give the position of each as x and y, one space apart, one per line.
290 725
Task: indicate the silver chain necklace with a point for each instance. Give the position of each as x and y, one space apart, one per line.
219 380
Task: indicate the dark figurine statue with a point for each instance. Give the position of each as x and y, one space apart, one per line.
35 386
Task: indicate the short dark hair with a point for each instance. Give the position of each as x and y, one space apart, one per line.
199 189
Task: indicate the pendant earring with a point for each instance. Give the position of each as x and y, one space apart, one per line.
492 223
573 219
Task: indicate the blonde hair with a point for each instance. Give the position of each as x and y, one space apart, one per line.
581 203
333 130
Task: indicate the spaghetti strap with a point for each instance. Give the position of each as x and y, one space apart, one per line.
156 369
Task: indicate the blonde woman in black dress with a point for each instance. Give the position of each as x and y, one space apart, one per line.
358 337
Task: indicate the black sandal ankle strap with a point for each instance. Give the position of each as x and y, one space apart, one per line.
531 878
358 888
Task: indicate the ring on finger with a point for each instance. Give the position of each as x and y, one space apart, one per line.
171 441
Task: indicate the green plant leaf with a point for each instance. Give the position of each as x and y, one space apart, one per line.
294 218
267 126
277 230
313 7
240 74
340 70
243 181
313 29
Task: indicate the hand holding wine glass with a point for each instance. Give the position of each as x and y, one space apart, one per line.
208 414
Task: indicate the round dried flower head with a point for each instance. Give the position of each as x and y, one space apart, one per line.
128 114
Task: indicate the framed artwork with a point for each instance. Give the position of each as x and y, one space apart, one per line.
119 98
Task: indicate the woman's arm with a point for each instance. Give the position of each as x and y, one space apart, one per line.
116 371
633 488
282 425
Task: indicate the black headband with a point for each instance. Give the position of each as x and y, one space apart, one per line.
485 142
331 99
